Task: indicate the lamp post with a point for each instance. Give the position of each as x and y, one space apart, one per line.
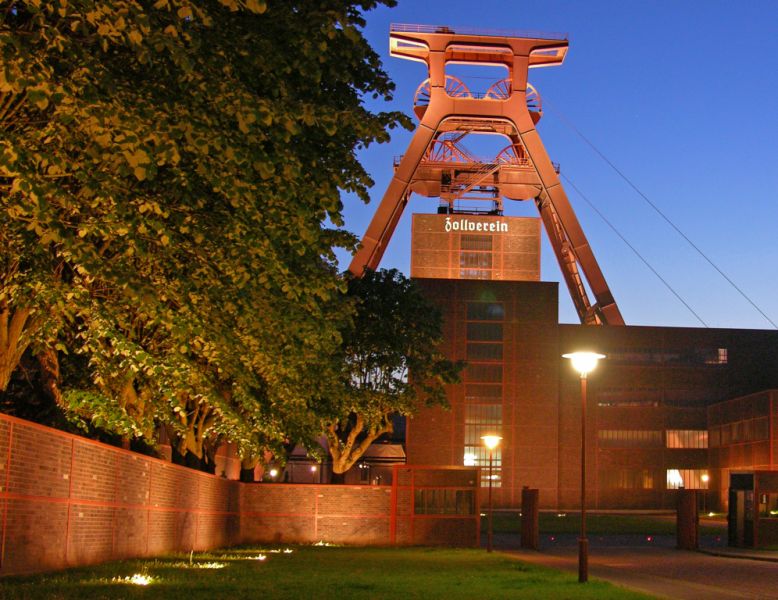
584 363
491 442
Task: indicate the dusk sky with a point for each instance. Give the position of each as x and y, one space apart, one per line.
682 97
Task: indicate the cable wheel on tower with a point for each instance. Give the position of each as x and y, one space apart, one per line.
501 90
454 88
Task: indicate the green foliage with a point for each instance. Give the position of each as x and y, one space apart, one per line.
166 173
391 363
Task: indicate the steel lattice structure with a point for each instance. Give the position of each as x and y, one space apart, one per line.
437 165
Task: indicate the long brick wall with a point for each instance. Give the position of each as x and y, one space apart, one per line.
67 501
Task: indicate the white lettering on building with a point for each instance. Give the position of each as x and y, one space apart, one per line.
465 224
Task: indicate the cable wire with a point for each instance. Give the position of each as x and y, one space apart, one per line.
578 132
631 247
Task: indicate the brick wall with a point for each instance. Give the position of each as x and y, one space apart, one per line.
309 513
67 501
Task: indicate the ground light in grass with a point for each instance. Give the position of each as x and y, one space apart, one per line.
136 579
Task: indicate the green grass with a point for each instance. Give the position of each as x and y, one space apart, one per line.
317 572
597 524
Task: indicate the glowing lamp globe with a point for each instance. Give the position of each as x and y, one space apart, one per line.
491 441
584 362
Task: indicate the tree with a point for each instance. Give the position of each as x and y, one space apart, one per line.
391 364
166 173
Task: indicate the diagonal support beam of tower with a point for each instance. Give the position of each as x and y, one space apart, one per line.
523 171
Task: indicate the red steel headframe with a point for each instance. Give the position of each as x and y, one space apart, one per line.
504 111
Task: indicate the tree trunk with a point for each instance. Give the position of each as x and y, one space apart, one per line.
187 459
338 478
49 364
12 342
247 466
191 461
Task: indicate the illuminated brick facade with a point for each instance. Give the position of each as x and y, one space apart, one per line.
647 423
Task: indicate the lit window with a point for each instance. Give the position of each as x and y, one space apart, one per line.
686 438
691 479
483 419
475 257
768 506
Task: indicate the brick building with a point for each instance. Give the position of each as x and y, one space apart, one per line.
648 403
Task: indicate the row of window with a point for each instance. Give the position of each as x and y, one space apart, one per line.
749 430
644 438
651 397
692 356
645 479
483 390
444 502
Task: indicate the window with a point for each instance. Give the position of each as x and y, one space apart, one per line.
629 438
627 479
444 502
483 419
739 432
715 437
483 393
485 311
484 332
483 372
712 356
475 256
691 479
768 506
613 397
686 438
761 429
480 351
689 356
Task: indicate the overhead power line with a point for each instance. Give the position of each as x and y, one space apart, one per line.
631 247
578 132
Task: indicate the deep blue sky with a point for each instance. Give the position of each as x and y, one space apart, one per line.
683 98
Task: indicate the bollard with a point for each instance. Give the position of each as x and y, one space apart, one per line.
687 520
530 538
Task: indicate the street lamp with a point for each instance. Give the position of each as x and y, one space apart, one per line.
705 478
584 363
491 442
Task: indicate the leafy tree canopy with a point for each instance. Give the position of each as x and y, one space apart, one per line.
166 172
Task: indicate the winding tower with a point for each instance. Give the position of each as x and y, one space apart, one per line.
436 164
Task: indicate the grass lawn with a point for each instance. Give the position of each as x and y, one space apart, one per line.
597 524
315 572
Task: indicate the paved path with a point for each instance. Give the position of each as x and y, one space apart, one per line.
655 567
